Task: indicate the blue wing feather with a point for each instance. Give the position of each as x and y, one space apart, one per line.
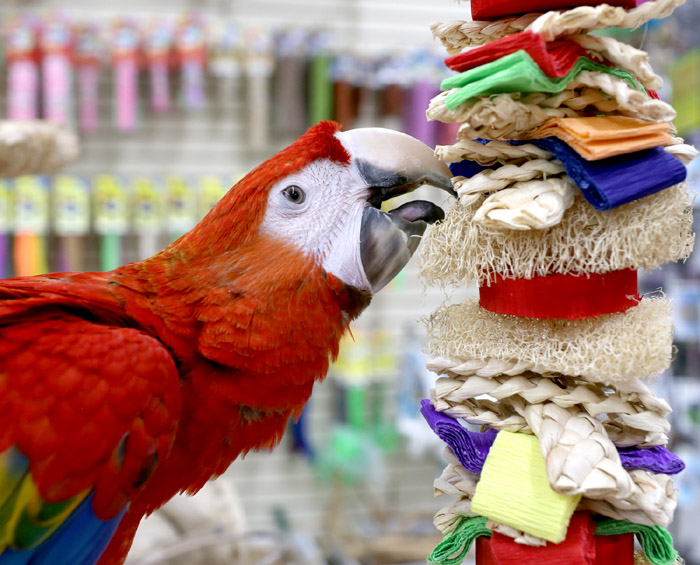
80 540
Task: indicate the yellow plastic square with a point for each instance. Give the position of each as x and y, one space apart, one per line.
514 489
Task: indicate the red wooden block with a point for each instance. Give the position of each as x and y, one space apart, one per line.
494 9
577 549
562 296
614 550
484 555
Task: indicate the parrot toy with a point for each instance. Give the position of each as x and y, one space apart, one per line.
120 389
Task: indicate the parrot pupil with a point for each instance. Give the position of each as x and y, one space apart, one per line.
294 194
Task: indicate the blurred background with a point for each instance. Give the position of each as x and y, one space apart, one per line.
173 101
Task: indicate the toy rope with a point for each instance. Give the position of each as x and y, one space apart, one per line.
629 100
586 18
624 56
490 153
492 180
536 204
657 490
509 414
633 392
513 116
459 34
497 116
34 146
685 153
448 518
455 479
563 392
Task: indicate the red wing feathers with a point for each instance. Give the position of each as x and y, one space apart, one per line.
91 406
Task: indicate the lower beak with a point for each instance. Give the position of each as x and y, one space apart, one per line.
388 240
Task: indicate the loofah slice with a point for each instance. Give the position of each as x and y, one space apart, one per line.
645 233
613 347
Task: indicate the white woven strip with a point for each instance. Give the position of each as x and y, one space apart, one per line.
502 416
650 490
514 116
583 98
564 392
447 519
517 535
580 457
483 368
634 391
585 18
457 35
32 147
623 56
491 153
496 116
684 153
492 180
536 204
633 102
455 479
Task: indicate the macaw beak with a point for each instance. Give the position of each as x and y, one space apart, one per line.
392 163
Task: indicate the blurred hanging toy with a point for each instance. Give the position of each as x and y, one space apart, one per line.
87 62
126 60
570 179
157 47
191 51
57 47
22 57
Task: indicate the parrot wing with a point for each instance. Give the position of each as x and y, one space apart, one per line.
87 410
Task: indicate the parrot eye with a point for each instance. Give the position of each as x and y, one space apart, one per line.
294 194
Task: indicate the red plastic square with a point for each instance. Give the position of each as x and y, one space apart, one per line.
494 9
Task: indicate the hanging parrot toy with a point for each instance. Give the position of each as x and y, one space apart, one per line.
120 389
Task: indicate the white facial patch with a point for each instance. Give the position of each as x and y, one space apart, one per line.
326 223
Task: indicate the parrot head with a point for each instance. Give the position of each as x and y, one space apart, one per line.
323 196
331 207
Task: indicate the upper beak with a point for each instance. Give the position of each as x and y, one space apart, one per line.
393 163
